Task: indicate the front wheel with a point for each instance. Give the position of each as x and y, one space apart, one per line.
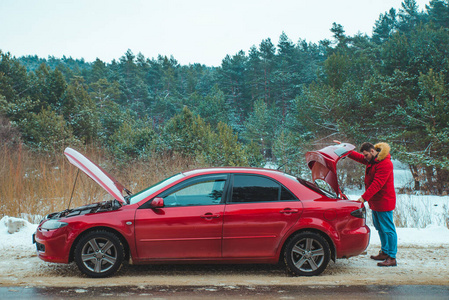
307 254
99 254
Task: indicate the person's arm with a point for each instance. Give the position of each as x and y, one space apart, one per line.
383 171
358 157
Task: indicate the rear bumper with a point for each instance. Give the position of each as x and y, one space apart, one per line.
353 242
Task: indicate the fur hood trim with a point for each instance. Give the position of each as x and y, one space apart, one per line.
383 149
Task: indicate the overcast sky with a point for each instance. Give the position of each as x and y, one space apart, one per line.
193 31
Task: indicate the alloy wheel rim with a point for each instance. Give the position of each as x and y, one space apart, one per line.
99 255
307 255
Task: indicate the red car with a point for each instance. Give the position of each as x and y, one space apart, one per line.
226 215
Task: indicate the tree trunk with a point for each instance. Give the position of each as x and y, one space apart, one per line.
414 170
429 176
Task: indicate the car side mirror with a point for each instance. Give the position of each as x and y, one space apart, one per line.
157 202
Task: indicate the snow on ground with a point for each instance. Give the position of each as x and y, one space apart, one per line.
422 259
434 235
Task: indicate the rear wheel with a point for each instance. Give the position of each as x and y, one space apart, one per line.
307 254
99 254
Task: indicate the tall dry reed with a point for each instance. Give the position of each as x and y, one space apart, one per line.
33 185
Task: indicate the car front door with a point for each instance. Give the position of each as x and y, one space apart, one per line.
258 215
190 224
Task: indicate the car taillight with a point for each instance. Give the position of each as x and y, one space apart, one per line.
359 213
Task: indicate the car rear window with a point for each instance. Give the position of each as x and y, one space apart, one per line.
316 188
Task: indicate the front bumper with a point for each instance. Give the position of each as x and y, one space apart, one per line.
52 245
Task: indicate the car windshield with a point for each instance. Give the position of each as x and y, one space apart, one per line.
152 189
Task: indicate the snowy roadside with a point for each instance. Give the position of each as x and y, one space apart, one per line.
433 235
423 258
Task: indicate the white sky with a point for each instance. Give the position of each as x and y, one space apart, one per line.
193 31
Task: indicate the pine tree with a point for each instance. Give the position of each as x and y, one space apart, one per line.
212 107
224 148
46 131
438 11
261 126
133 140
98 71
384 26
80 112
133 89
187 134
409 16
339 33
14 82
254 74
267 55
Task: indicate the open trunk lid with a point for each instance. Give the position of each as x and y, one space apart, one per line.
323 164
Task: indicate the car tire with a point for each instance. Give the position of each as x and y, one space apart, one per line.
99 254
307 254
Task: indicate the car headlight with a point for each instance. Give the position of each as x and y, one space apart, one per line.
53 224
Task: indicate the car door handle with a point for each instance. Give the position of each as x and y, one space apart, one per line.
289 211
210 216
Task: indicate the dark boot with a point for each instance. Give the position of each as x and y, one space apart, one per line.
389 262
380 256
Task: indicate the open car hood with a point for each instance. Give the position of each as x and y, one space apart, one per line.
100 176
323 164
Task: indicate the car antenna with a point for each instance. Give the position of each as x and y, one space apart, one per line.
281 166
71 196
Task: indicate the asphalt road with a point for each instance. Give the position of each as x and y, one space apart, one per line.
230 292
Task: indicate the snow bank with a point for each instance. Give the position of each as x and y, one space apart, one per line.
432 235
13 224
21 236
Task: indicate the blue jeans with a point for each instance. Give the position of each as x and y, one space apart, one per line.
383 222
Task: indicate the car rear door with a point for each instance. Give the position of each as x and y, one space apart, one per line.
190 224
259 213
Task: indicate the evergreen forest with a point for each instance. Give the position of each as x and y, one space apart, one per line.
270 103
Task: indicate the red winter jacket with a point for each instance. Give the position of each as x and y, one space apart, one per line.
379 181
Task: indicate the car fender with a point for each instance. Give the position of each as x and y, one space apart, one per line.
121 226
317 225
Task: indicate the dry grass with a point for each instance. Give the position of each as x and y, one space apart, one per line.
35 184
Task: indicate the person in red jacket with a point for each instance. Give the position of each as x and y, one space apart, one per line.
381 197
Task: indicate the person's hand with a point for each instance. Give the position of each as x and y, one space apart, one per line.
361 200
337 142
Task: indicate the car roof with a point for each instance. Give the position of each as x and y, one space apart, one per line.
261 171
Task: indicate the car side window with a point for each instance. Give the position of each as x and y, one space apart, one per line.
252 188
287 195
208 192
